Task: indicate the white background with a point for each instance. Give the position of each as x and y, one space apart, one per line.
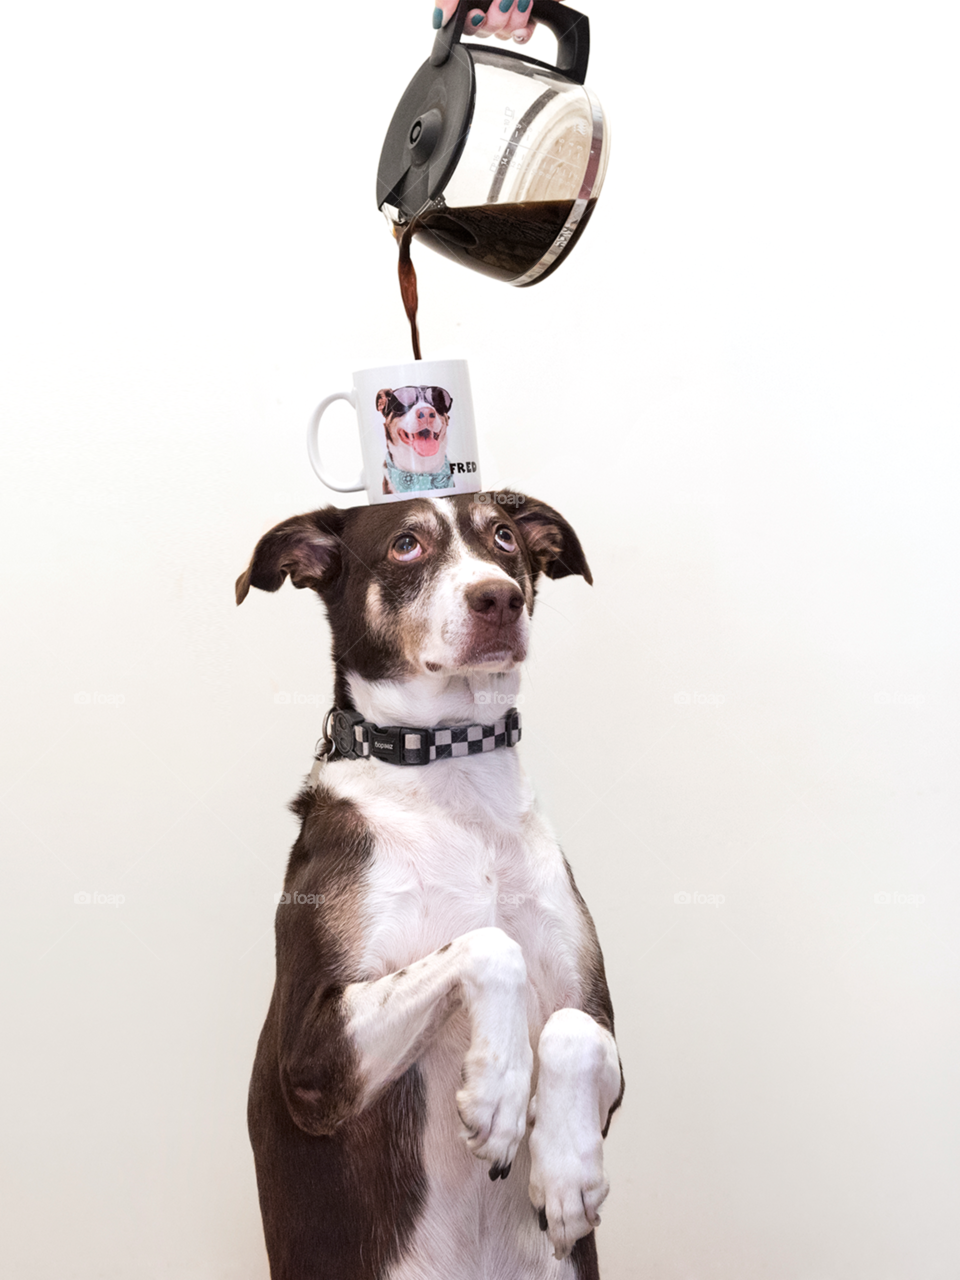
742 390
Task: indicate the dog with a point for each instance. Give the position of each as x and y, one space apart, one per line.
437 1069
415 421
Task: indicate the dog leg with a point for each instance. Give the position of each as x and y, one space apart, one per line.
391 1021
579 1081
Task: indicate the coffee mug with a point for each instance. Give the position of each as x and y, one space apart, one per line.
417 432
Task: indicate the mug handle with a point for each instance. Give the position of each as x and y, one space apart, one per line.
313 427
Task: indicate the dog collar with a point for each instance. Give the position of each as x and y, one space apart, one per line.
347 736
407 481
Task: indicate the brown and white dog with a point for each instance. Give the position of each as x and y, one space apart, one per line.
441 1017
415 422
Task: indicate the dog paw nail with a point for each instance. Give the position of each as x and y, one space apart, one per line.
542 1219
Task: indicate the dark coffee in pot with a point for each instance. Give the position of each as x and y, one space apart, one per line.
504 241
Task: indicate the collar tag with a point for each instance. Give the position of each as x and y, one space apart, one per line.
385 744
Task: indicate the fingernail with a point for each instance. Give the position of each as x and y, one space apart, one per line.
477 19
523 5
438 19
505 5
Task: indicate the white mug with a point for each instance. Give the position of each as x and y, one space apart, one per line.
417 432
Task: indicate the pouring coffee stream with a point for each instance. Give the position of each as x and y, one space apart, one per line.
408 283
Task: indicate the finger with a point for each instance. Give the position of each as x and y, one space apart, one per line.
474 24
498 16
443 13
518 19
523 34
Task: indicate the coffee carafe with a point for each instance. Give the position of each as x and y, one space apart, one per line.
497 159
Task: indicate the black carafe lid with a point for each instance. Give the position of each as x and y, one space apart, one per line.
432 120
426 134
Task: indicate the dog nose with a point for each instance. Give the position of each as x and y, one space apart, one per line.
496 602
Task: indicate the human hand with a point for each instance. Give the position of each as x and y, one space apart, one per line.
505 19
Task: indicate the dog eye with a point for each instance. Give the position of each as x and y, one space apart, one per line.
503 537
406 548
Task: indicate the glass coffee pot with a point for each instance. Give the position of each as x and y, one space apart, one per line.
496 158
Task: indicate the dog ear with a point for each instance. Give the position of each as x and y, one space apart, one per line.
307 547
554 547
383 399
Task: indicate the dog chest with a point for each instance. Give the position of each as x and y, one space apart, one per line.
443 867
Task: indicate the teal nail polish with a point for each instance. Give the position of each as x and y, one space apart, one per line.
438 19
477 19
505 5
523 5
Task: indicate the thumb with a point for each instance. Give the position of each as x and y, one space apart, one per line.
443 12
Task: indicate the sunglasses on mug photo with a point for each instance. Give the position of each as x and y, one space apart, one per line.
401 399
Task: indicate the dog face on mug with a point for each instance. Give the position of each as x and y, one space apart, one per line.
415 421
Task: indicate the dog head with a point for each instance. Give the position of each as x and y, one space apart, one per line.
415 421
441 586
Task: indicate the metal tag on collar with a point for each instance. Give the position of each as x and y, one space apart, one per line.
324 744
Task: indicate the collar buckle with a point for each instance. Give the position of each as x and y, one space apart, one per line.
340 740
385 744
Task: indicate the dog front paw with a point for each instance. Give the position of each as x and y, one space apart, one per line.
495 1088
493 1104
567 1183
579 1082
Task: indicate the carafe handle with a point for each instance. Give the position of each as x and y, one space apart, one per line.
572 30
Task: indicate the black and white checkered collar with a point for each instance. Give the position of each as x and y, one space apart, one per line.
347 736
